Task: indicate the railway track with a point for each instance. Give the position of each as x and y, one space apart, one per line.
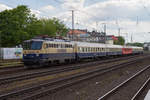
12 78
18 69
51 86
127 90
11 70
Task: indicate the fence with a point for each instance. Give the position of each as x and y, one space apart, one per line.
11 53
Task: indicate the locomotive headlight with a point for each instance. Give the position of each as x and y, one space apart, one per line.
37 54
25 55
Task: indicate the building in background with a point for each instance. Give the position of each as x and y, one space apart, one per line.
146 46
86 36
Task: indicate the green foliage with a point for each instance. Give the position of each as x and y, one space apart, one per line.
61 29
136 44
52 27
18 24
120 41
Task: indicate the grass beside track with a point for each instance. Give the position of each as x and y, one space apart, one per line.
10 63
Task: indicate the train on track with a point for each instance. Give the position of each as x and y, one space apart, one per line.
46 51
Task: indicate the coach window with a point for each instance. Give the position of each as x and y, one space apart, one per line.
49 45
60 45
54 46
46 45
66 45
92 49
82 49
63 45
79 49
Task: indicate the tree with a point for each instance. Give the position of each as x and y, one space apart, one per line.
136 44
61 29
52 27
120 41
16 25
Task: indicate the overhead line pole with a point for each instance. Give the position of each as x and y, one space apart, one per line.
105 33
119 31
72 24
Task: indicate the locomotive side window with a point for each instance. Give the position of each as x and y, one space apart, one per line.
47 45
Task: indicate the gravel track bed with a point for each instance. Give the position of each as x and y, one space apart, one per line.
25 83
22 71
127 91
7 71
94 88
13 72
37 82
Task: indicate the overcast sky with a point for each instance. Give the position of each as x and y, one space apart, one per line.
131 16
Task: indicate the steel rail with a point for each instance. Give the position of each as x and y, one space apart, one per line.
141 89
122 84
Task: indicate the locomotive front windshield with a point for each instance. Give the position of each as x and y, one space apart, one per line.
32 45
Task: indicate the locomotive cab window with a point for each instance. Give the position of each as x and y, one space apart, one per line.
32 45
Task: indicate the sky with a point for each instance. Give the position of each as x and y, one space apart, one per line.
132 17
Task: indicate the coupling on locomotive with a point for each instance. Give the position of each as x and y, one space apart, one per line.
47 51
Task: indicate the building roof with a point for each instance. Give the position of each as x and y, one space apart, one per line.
77 32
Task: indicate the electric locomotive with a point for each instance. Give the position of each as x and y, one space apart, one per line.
41 52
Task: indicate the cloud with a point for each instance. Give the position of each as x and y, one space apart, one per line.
73 4
115 13
4 7
36 12
48 8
